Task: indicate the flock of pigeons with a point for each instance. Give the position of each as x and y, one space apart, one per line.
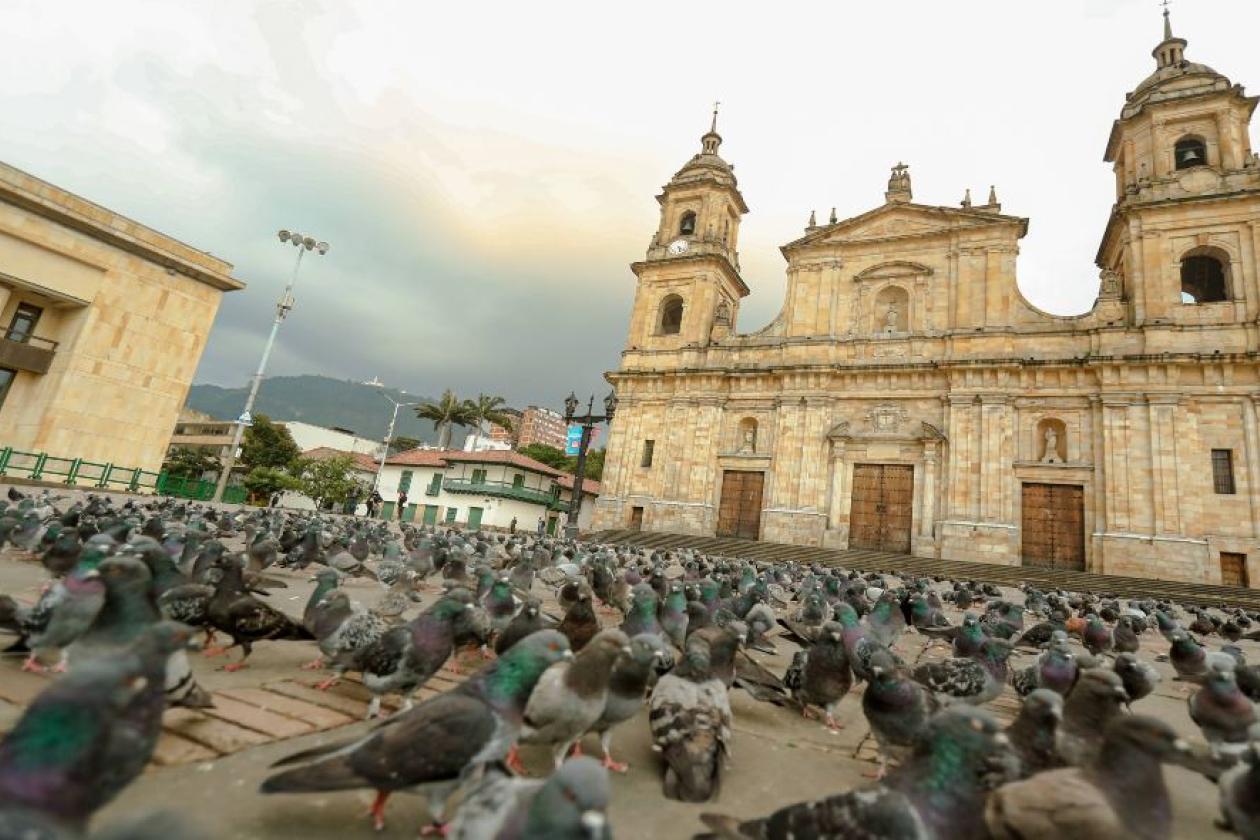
134 585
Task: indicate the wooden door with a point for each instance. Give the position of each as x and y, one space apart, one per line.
430 514
636 518
1233 569
474 517
881 513
739 511
1054 526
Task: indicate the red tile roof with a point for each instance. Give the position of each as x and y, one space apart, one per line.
360 461
501 456
589 488
418 458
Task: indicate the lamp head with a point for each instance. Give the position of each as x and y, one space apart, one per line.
570 406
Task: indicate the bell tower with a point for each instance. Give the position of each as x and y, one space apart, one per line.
689 286
1187 195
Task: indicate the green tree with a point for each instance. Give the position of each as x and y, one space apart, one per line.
549 455
188 462
263 482
400 443
327 480
594 467
447 412
267 445
486 409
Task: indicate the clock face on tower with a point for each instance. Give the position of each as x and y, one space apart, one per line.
678 246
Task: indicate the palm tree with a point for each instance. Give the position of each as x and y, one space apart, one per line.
486 409
449 411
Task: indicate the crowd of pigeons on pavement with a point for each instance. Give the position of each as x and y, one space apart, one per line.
134 585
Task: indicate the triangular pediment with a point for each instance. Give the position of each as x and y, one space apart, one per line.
894 220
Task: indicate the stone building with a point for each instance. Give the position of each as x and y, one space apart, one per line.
908 398
104 321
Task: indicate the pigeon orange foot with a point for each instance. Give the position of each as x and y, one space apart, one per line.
615 766
32 665
436 829
235 666
314 665
513 761
328 683
214 650
378 810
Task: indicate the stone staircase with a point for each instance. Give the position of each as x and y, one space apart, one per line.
1202 594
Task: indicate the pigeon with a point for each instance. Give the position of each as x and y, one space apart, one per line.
690 719
569 698
1119 793
627 689
885 623
1125 635
342 631
68 607
528 619
1240 795
975 680
91 733
1093 703
1139 678
580 623
1222 712
938 794
1096 636
641 617
243 617
819 675
405 657
896 707
1033 732
500 604
571 803
1055 669
474 723
1192 661
673 615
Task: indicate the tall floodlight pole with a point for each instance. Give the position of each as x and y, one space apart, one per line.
303 244
389 439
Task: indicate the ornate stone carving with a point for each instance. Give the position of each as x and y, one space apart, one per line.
1108 284
886 418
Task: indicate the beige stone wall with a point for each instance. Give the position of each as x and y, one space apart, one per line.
131 322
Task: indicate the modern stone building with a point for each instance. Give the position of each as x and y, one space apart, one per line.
104 321
908 398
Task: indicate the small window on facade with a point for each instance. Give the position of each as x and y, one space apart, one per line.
1202 280
22 327
451 513
404 481
687 225
1223 471
479 477
435 486
649 446
671 315
518 480
6 381
1190 152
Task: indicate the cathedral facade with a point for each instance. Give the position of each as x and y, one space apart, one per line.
908 398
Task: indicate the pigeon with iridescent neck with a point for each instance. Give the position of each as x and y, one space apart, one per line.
474 724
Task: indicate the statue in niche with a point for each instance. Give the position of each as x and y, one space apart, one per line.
749 442
891 318
1051 454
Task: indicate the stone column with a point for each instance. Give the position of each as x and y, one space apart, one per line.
839 471
1162 437
929 513
1251 436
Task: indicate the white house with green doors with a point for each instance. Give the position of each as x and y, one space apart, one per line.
480 490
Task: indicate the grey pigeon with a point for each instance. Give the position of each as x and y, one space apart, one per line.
896 707
1222 712
1240 795
1119 793
571 804
627 689
690 719
475 723
1139 678
529 619
1094 703
569 698
820 675
1034 732
975 680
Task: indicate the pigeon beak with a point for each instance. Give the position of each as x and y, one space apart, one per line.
626 650
568 654
593 822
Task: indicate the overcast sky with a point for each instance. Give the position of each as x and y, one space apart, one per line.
485 171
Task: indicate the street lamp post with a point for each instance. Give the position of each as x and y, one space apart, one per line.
389 438
587 421
303 244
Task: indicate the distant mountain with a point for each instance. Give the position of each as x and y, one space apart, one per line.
322 401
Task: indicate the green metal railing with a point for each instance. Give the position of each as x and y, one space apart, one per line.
499 489
78 472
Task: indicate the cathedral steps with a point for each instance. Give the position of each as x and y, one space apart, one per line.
903 564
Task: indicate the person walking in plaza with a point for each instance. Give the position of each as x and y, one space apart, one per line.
542 526
402 503
512 526
373 504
